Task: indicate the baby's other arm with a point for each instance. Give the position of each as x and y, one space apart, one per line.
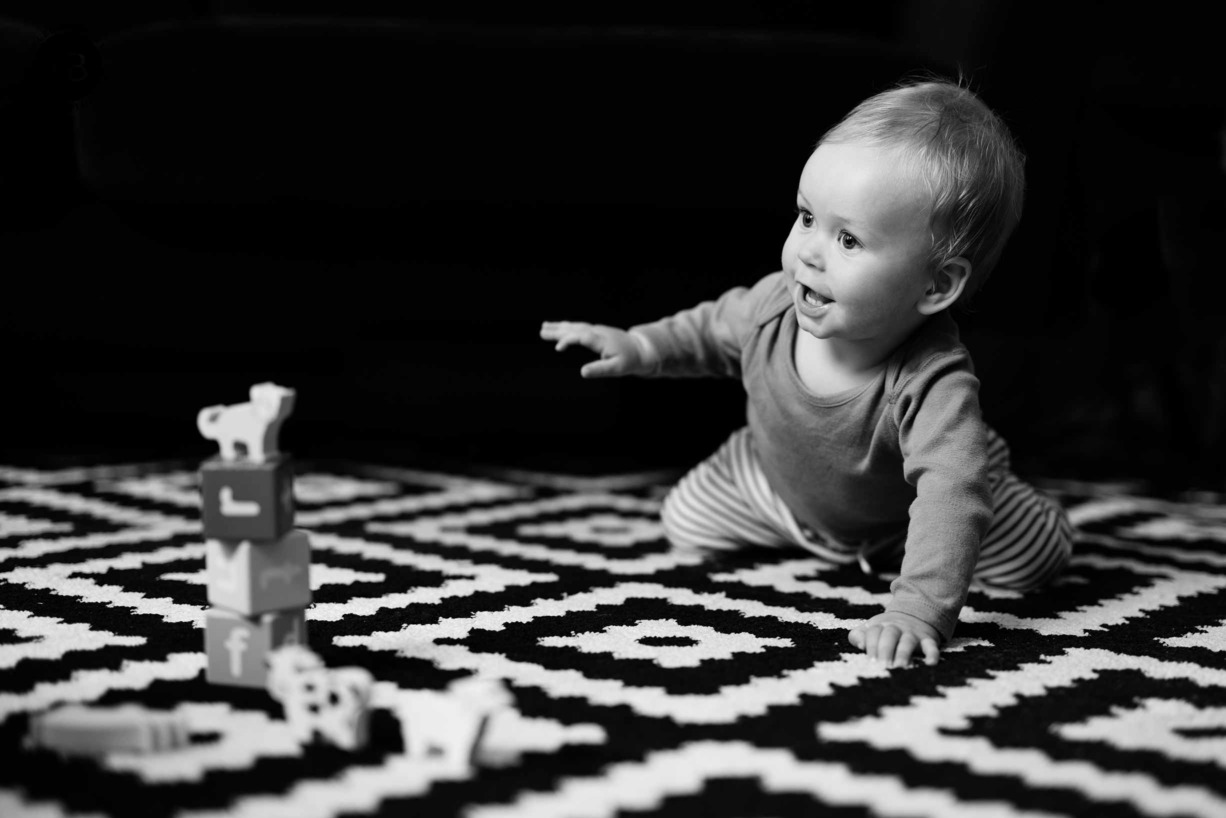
621 352
943 442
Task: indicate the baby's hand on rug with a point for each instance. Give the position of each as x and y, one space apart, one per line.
620 353
892 637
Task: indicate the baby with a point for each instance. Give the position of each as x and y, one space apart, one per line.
865 440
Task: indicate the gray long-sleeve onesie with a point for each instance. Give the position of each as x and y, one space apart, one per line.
905 452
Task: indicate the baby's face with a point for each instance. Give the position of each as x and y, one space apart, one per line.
857 254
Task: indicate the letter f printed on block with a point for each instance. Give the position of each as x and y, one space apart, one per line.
236 645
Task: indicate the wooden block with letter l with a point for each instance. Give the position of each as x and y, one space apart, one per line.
255 577
237 647
245 500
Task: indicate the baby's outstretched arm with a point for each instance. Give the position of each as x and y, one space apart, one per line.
892 638
621 352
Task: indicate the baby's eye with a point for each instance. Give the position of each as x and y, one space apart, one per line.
847 241
806 218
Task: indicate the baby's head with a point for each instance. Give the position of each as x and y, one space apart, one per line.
965 155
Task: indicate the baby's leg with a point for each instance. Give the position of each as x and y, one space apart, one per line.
1030 539
725 502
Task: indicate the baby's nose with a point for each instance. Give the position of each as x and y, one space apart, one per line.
810 253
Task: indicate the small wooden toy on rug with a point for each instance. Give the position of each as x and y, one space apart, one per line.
257 564
81 730
331 702
447 726
254 426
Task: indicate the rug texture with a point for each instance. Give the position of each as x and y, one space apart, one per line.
643 681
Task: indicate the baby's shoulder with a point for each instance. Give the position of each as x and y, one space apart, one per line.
770 298
935 351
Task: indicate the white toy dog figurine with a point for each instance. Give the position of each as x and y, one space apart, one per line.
450 723
255 425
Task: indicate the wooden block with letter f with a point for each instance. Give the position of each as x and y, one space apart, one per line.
237 647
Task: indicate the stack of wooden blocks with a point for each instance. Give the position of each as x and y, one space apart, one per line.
259 586
257 564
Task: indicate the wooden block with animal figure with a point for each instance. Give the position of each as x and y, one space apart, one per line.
253 578
237 647
242 500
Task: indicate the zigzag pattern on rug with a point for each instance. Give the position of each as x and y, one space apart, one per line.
644 681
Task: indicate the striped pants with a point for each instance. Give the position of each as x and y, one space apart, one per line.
725 502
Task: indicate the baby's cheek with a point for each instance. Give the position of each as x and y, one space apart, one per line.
788 254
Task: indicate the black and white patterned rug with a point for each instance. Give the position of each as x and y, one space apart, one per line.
644 682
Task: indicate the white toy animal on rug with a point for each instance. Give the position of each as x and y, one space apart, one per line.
448 725
255 425
333 702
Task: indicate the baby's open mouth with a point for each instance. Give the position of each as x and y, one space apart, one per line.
813 299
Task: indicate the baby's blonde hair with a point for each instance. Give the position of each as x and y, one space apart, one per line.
965 153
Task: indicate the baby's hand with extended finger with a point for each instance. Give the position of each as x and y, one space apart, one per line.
892 638
620 353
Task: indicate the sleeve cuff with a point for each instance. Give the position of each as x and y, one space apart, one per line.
942 622
647 350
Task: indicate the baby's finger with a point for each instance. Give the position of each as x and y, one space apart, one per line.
603 368
871 635
931 652
887 644
906 647
556 329
574 335
856 637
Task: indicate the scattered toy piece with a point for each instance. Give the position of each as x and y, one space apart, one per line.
334 703
449 724
82 730
285 664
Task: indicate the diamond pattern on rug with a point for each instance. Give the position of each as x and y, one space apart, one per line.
646 680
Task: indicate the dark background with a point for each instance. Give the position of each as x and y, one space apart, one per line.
378 207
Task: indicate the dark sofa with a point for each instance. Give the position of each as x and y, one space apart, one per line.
380 209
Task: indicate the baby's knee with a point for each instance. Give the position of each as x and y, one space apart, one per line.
1062 547
1058 561
683 530
1045 566
677 529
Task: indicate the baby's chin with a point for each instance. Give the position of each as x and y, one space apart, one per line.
816 322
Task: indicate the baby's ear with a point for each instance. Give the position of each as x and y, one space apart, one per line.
945 286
